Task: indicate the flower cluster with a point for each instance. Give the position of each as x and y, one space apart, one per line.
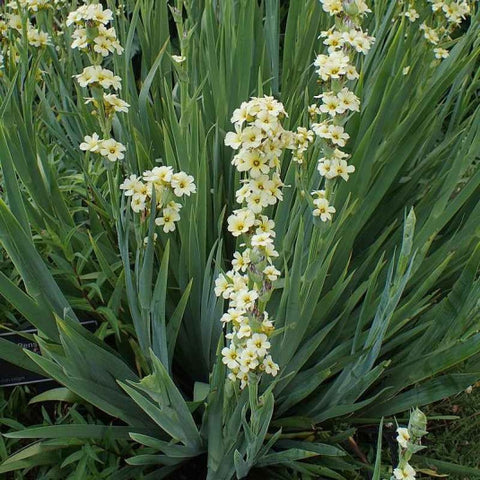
454 11
166 186
94 36
339 7
5 50
96 75
410 14
18 16
107 148
302 139
336 70
260 139
408 440
322 209
111 103
35 6
447 15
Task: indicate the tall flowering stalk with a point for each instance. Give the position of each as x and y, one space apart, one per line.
165 186
96 38
337 74
260 140
409 442
21 20
447 16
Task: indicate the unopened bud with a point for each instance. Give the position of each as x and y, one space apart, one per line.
418 423
351 8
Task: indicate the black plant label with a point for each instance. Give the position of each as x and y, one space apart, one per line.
12 375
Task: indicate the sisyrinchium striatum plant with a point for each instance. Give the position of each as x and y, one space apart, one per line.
270 210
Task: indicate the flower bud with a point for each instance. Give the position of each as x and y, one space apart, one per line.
351 8
254 275
255 257
266 293
418 423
